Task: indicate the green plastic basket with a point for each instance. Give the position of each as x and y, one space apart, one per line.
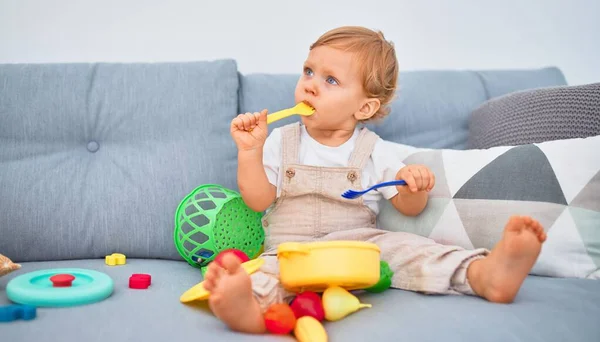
213 218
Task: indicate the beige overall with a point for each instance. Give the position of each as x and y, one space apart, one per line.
311 208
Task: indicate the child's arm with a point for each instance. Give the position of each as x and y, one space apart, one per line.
412 197
249 131
256 191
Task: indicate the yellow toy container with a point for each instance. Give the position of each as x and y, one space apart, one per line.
315 266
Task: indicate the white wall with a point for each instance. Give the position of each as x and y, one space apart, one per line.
273 36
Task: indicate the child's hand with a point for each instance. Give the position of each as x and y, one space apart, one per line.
249 131
417 178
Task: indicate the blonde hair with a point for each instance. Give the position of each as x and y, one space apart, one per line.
378 63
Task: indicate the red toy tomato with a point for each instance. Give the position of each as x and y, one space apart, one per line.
241 255
280 319
308 303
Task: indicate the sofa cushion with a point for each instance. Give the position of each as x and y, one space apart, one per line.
546 309
96 157
501 82
537 115
431 108
476 191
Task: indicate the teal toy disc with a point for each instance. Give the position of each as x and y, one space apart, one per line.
36 288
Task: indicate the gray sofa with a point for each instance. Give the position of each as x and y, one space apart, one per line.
95 158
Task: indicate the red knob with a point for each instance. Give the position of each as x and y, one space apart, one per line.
62 280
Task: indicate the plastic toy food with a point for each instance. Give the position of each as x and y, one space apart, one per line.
140 281
115 259
7 266
308 329
241 255
14 312
385 279
339 303
308 304
280 319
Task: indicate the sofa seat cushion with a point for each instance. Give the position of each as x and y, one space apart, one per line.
546 309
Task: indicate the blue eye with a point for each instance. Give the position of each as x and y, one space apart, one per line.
308 72
331 80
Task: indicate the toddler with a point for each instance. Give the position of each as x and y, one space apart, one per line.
298 173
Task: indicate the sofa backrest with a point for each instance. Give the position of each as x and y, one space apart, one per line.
431 108
95 158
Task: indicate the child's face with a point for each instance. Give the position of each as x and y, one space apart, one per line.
332 85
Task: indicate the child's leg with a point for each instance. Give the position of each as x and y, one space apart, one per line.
422 265
239 299
266 287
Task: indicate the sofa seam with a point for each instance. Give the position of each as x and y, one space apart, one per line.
485 89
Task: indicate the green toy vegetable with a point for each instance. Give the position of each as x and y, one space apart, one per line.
385 278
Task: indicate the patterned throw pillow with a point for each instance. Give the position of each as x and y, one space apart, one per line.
556 182
536 115
7 266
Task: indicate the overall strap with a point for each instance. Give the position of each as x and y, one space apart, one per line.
365 143
290 137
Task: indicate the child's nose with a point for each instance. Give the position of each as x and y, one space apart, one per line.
310 87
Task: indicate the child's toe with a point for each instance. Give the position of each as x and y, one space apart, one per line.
209 284
231 263
213 272
536 226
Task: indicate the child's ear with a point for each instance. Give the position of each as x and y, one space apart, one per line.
368 109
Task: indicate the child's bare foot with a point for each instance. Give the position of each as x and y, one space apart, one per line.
231 298
499 276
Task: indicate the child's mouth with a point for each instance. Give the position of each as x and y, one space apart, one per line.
309 104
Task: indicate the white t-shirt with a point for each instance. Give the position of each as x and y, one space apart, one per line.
382 166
